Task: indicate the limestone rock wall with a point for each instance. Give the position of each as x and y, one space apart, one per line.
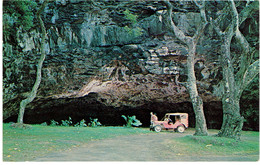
95 48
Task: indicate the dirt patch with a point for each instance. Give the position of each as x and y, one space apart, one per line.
144 147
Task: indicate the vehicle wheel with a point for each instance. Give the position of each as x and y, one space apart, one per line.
180 129
157 128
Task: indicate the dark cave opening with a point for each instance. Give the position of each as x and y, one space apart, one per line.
88 106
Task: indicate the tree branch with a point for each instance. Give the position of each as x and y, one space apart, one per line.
249 75
247 55
247 11
175 30
235 20
202 10
198 5
222 17
216 27
201 29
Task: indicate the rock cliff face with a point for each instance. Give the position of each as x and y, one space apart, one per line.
108 58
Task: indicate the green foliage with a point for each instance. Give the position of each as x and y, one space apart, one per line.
17 14
131 17
131 121
131 29
22 11
66 123
94 122
81 124
25 13
136 32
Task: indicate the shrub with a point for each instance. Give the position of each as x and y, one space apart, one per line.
54 123
81 124
66 123
131 121
44 124
94 122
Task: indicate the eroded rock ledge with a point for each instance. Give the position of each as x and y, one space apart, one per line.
98 60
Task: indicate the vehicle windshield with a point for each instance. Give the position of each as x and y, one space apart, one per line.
165 117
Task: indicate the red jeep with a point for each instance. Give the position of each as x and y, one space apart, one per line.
175 121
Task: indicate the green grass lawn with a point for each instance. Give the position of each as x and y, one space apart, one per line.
216 146
26 144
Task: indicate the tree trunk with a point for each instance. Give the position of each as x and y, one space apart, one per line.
197 103
201 126
232 120
36 85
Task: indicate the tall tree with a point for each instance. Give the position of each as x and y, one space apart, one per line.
235 79
36 85
191 42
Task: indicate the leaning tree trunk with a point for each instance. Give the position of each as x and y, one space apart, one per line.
36 85
197 102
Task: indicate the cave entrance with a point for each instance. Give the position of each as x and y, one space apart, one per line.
88 107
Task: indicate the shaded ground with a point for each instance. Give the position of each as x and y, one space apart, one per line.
144 147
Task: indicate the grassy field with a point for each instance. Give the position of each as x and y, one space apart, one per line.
26 144
203 146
